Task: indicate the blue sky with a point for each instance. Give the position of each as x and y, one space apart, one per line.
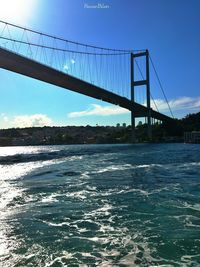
168 28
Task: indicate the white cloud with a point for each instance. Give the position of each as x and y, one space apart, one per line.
4 117
179 104
184 104
36 120
98 110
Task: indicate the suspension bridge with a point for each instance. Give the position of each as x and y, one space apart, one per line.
110 75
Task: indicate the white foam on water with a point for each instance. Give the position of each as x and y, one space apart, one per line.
91 188
147 166
112 253
49 199
120 167
85 175
189 164
3 244
87 254
190 224
106 228
195 207
162 265
57 224
7 193
106 263
30 256
142 192
114 168
116 191
72 158
188 259
129 260
59 259
79 195
82 230
86 219
19 170
101 240
104 210
186 205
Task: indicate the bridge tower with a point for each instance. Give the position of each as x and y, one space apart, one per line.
134 83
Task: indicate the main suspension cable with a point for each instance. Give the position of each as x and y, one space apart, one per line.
161 86
69 41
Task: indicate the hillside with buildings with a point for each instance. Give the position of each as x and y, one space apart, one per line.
173 132
64 135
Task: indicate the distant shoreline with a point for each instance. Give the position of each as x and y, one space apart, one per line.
72 135
186 129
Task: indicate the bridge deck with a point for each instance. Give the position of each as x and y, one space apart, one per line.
25 66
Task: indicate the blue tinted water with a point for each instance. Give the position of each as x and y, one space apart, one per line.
100 205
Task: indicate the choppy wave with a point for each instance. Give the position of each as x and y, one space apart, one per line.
100 206
13 155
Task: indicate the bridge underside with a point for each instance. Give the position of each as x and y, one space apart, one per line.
22 65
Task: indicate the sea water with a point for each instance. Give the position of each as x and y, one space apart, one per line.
100 205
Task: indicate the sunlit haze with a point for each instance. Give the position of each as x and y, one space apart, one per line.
17 11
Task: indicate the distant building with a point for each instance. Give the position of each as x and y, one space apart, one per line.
192 137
